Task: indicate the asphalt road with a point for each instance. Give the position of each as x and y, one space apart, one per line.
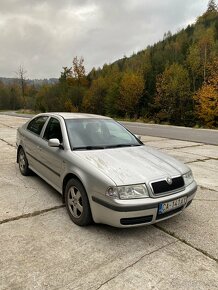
205 136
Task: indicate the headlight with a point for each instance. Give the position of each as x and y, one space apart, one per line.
128 191
188 178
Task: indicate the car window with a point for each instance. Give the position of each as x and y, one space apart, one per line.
37 124
53 130
98 132
116 133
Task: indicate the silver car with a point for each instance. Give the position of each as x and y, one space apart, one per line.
104 173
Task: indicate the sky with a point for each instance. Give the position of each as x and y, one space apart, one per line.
44 36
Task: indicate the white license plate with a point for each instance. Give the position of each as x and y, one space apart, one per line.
170 205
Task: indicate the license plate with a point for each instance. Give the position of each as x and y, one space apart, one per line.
170 205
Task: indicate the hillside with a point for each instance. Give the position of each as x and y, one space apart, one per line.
173 70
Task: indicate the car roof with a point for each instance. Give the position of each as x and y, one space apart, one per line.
76 115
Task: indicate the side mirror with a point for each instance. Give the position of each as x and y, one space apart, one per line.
54 143
138 137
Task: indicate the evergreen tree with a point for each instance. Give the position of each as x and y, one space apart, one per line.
212 7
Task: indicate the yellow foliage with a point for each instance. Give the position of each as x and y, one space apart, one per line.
93 100
69 107
207 99
131 89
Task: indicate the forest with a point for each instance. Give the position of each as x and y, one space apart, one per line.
174 81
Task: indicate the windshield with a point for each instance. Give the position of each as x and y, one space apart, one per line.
88 134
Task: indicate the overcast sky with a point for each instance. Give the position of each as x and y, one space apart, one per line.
44 36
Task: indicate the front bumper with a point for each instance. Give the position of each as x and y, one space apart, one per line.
129 213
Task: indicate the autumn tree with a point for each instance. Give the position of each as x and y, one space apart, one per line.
206 44
113 79
78 71
94 99
131 89
139 63
173 94
207 98
73 84
194 63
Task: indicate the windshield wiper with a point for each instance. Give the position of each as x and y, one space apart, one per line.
105 147
122 145
88 148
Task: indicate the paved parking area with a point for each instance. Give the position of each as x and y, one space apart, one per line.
40 248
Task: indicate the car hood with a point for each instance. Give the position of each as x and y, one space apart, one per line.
132 165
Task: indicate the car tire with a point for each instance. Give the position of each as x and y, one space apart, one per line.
23 163
77 203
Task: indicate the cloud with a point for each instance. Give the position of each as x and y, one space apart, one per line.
44 36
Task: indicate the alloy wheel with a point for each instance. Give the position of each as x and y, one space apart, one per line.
22 161
75 202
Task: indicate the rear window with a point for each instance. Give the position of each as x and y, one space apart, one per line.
36 125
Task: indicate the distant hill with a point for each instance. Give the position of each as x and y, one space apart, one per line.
36 82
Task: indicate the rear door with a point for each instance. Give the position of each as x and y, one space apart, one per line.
32 141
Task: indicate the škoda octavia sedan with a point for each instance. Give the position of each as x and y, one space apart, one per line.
104 173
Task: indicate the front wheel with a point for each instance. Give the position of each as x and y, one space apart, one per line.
77 203
23 163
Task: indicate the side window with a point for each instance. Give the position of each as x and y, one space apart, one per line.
53 130
37 124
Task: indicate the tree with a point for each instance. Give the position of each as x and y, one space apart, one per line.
207 105
21 73
41 103
167 35
4 98
78 71
94 100
206 44
194 62
66 74
211 7
207 98
173 94
131 89
72 85
14 96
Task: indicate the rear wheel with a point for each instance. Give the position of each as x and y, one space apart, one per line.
77 203
23 163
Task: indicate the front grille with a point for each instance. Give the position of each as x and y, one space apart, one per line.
163 186
136 220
